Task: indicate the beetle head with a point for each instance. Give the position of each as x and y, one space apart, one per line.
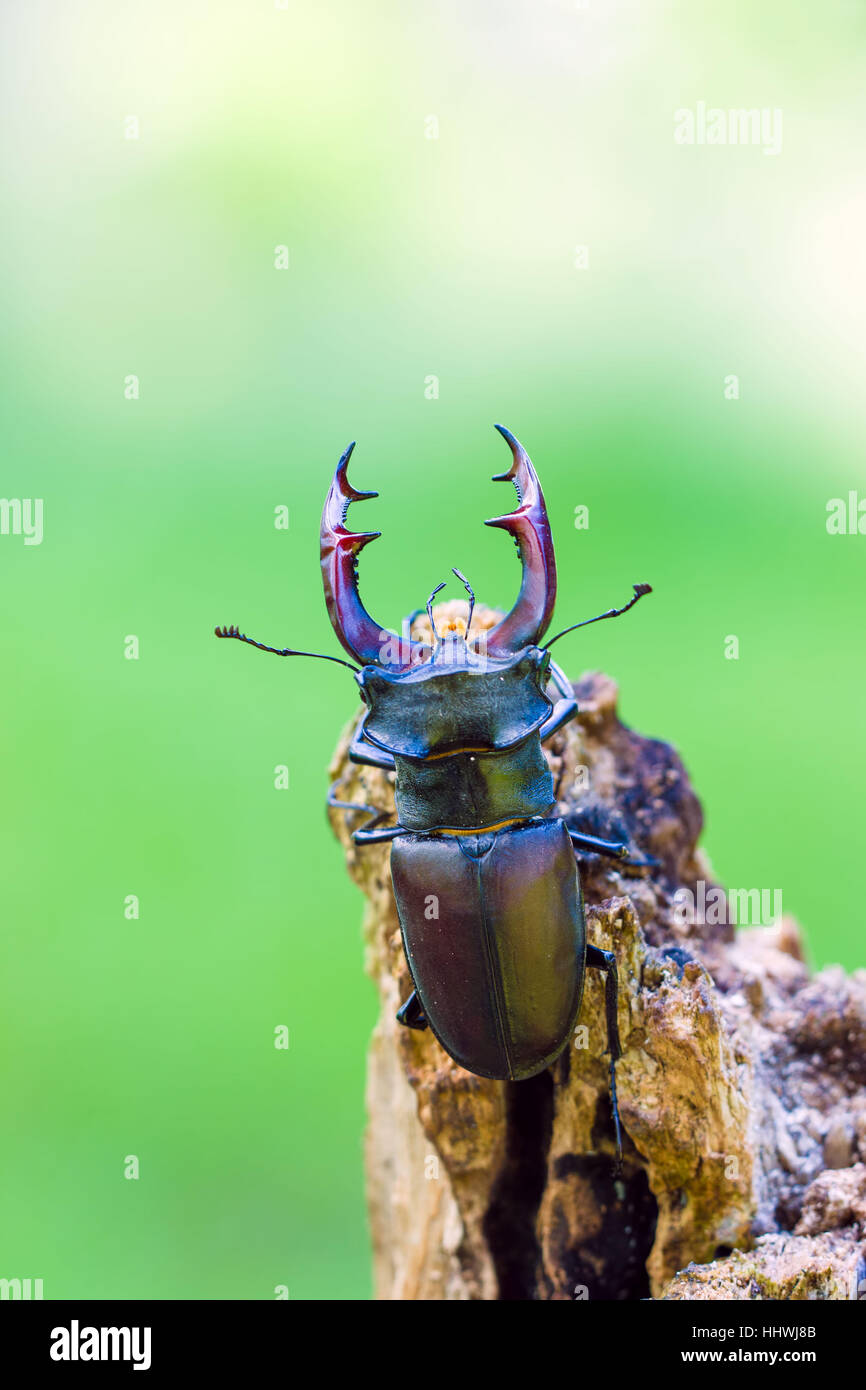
454 703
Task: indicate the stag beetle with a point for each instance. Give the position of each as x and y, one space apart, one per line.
498 967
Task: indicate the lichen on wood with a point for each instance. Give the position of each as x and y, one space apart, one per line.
742 1085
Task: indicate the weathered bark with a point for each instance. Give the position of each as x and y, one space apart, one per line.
742 1085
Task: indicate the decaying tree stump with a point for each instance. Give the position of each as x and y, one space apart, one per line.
742 1085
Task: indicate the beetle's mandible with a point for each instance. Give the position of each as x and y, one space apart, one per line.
498 968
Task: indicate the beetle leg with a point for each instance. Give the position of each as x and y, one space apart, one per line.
611 849
368 833
606 961
411 1014
360 751
338 805
564 709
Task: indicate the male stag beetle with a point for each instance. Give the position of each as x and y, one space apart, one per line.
498 974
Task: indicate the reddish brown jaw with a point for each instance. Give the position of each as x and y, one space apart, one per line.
360 636
528 524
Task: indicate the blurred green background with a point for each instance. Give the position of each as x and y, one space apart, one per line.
409 257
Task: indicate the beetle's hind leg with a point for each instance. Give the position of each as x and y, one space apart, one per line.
411 1014
606 961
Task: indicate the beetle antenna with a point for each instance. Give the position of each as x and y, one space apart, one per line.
468 587
284 651
430 609
639 591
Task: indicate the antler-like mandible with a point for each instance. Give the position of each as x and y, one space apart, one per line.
529 617
362 638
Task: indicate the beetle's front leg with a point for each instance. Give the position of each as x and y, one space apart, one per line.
367 755
611 849
411 1014
606 961
564 709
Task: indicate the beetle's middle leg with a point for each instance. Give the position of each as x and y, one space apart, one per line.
606 961
369 833
611 849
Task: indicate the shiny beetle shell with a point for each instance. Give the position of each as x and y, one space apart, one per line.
493 930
